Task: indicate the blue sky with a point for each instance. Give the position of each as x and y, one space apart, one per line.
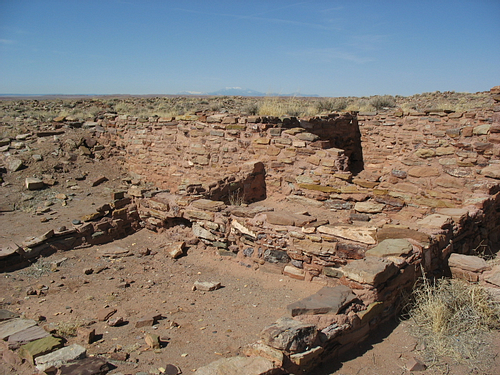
329 48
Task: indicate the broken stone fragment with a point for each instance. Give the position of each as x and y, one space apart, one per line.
370 270
391 247
148 320
152 340
14 165
207 286
176 250
33 183
39 347
105 313
327 300
87 366
99 181
468 263
289 335
56 359
238 366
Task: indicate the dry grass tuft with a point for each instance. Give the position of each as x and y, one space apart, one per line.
68 328
452 318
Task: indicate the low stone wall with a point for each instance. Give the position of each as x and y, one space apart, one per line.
372 201
111 221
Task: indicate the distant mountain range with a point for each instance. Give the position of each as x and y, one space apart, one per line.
238 91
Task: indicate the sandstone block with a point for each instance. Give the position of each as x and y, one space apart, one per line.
423 171
13 326
371 270
359 234
290 335
56 359
327 300
492 171
39 347
369 207
87 366
33 183
238 366
206 285
468 262
391 247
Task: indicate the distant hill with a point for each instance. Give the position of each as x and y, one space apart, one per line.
238 91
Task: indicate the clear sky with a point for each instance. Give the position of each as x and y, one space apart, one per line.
329 48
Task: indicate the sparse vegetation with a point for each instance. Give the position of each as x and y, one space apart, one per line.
452 319
68 328
381 102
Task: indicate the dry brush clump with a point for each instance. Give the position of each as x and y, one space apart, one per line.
452 318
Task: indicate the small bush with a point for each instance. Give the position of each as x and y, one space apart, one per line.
385 101
451 318
331 105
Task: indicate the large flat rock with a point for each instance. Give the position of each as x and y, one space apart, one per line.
391 247
327 300
289 335
12 326
238 366
370 270
288 219
468 262
39 347
54 360
27 335
208 205
359 234
6 315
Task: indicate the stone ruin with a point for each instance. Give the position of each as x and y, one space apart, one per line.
363 203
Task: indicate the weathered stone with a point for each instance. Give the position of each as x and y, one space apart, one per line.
86 366
492 171
7 315
425 153
371 270
423 171
99 180
9 248
304 201
493 276
395 232
290 335
369 207
13 326
176 250
148 320
481 129
258 349
201 232
373 309
359 234
113 251
391 247
435 221
206 285
27 335
56 359
468 262
238 366
415 364
305 358
105 313
208 205
152 340
33 183
287 218
327 300
14 164
39 347
294 272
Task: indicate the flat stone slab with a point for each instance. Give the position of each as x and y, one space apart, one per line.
56 359
369 207
288 219
327 300
435 221
395 232
201 232
237 366
493 276
370 270
289 335
12 326
8 248
492 171
359 234
39 347
207 286
208 205
86 366
468 262
391 247
113 251
27 335
6 315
